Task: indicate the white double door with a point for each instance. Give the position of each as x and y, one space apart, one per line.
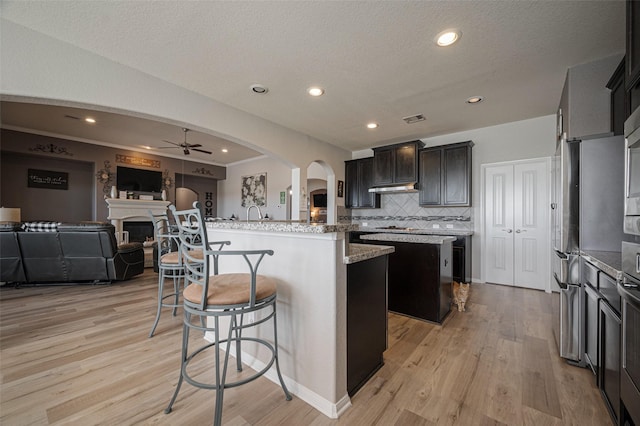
516 223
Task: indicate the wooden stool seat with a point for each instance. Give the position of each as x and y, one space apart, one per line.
231 289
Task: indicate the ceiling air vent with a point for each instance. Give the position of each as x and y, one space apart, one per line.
71 117
413 118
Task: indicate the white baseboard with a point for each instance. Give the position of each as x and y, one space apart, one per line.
326 407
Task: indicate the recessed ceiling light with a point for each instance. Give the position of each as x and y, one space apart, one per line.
475 99
372 126
448 37
259 89
90 120
315 91
225 150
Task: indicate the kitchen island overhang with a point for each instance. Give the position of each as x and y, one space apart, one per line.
310 266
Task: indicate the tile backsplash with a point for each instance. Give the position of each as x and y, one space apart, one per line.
403 210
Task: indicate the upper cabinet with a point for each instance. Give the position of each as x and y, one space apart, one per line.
619 100
586 102
632 57
445 175
359 178
395 164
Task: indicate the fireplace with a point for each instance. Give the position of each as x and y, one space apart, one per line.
139 232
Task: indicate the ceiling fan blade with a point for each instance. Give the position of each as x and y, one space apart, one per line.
172 143
200 150
164 147
195 145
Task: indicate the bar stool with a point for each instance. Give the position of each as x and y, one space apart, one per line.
216 296
169 262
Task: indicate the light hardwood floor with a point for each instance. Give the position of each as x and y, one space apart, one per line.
80 355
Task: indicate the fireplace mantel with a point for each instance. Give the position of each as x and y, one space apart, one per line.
121 209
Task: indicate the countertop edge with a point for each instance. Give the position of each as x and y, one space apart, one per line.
361 252
410 238
609 262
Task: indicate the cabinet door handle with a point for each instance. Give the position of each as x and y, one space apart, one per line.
520 230
508 231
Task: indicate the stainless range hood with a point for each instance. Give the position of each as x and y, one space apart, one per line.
395 188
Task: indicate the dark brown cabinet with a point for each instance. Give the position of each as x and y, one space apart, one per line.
609 372
396 163
419 279
632 52
358 180
619 100
366 320
445 175
461 256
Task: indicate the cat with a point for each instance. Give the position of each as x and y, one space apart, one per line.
460 294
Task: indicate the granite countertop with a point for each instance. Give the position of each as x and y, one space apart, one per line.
417 231
283 226
608 261
409 238
361 252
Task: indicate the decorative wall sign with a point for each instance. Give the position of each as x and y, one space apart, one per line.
47 179
51 149
203 171
340 189
254 190
137 161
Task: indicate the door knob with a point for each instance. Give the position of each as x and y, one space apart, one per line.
520 230
508 231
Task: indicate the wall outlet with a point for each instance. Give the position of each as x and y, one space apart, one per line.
435 226
365 224
449 226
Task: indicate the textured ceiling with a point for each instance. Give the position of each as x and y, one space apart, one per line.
377 60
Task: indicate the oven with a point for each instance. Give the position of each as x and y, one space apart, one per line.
632 174
629 291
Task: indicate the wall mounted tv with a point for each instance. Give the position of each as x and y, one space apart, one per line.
319 200
138 180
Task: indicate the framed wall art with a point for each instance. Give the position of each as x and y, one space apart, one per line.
254 190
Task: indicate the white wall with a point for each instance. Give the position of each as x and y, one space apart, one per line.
278 179
35 67
533 138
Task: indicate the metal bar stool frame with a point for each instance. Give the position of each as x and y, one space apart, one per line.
170 265
198 296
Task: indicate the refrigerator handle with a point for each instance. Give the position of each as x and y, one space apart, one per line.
560 254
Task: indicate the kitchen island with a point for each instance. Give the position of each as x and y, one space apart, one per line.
310 265
420 274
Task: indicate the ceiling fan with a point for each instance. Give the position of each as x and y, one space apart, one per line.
186 147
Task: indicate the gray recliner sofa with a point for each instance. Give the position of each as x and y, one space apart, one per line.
73 253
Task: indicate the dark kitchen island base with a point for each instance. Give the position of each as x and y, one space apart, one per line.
420 276
366 320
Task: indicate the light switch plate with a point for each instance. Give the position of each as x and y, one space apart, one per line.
449 226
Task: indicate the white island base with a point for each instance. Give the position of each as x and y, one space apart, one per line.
311 274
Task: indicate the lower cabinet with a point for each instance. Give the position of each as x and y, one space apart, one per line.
420 279
366 320
609 371
461 254
591 315
630 375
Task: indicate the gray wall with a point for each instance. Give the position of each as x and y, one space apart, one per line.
69 205
82 161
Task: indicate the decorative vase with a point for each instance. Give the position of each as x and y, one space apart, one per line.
164 195
114 192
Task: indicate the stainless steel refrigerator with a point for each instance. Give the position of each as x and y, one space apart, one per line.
587 212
